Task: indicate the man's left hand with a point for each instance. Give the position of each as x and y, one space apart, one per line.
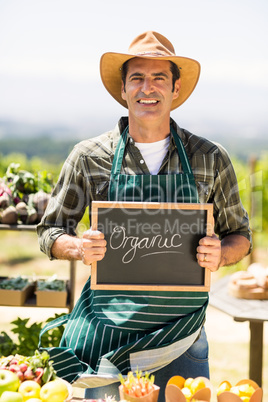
209 252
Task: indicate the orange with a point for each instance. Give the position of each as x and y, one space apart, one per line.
177 380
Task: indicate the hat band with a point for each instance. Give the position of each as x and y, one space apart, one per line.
152 54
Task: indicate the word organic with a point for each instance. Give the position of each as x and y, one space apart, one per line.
154 244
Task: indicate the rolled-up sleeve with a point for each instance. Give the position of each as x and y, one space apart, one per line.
229 214
66 206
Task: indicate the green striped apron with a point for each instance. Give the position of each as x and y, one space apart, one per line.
112 332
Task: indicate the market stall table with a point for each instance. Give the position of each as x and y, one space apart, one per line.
254 311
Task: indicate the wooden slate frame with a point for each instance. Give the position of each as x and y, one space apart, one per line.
123 210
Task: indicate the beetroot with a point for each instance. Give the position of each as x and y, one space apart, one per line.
5 195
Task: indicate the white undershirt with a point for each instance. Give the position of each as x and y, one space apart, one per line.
153 153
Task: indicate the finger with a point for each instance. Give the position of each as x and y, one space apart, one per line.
93 234
204 250
93 243
209 240
91 254
88 260
203 257
208 260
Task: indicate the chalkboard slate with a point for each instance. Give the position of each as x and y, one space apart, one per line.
151 246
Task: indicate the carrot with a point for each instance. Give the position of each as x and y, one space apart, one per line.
137 386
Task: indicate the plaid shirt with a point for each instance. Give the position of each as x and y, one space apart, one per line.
86 173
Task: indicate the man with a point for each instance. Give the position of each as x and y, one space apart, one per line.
108 329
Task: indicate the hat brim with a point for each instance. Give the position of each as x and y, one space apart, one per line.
110 71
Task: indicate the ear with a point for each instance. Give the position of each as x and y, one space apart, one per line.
123 92
177 87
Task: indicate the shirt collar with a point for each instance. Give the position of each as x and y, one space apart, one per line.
123 123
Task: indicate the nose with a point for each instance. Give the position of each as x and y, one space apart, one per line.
147 86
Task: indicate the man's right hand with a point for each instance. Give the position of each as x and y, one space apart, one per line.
93 246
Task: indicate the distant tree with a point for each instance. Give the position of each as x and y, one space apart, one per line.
46 148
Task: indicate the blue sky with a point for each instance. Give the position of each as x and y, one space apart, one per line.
50 51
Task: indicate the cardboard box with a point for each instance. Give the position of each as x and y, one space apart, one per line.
16 297
51 298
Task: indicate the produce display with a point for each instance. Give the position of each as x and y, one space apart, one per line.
30 378
23 195
33 379
17 283
50 292
52 283
37 367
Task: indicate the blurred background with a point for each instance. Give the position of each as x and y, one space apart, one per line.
50 85
51 97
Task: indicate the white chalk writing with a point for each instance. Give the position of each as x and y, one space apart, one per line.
165 244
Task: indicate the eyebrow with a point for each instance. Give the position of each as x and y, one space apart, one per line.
154 75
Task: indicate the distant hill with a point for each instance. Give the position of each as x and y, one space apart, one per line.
46 148
54 143
244 148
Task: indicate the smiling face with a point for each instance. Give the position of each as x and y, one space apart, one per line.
149 91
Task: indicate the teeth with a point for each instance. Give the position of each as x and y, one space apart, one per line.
148 101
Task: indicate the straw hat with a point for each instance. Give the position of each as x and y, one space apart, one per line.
150 45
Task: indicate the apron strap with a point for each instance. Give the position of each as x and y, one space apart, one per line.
120 150
119 153
186 167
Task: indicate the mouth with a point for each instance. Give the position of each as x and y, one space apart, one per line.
148 101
